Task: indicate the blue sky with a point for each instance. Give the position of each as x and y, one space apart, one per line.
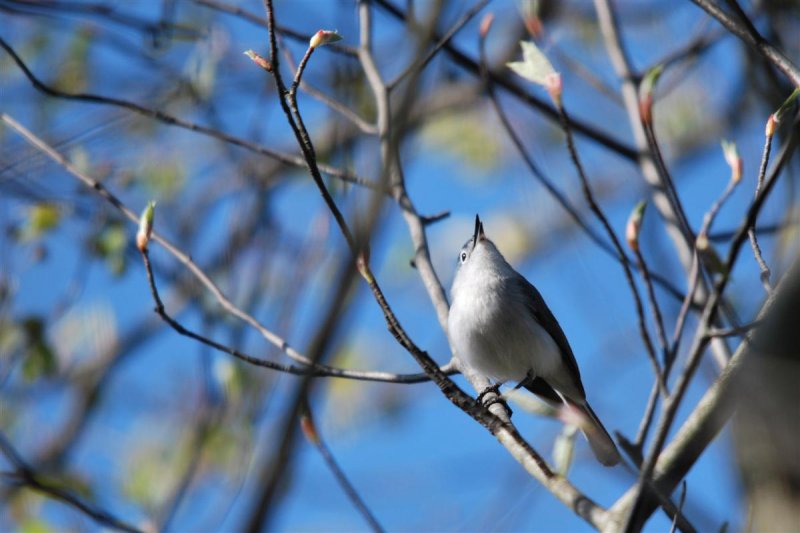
421 465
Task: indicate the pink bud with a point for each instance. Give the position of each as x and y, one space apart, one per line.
534 25
362 263
145 227
486 24
772 124
634 225
552 82
733 159
258 60
323 37
646 108
308 428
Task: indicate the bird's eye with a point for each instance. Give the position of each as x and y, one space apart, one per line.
463 256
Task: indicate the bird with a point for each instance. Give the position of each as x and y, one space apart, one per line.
500 326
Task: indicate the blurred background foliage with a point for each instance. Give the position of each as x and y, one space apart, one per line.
103 397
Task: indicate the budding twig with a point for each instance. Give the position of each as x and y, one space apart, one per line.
309 429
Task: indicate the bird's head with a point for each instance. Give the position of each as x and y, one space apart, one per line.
478 248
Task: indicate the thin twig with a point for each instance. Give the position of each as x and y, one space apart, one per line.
313 369
646 422
658 319
683 312
509 84
705 421
666 177
547 183
313 435
505 433
680 507
419 64
739 331
762 170
748 34
663 199
695 272
593 205
201 276
171 120
288 101
258 20
701 340
25 475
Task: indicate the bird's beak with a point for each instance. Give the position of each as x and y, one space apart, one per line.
478 235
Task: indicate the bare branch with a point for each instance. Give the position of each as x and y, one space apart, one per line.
419 64
701 340
25 475
762 170
161 116
312 435
272 338
258 20
745 30
637 299
507 83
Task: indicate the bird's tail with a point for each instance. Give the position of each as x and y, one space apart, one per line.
600 441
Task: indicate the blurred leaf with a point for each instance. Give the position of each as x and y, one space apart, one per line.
79 157
73 73
222 446
511 236
40 218
787 104
39 357
35 525
11 337
85 332
162 179
228 376
110 245
201 65
465 135
151 472
146 483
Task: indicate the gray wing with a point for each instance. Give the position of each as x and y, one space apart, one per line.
545 318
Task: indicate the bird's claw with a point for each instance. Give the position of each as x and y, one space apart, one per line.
493 389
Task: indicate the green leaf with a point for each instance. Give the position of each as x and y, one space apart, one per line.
465 136
73 72
650 79
41 218
35 525
110 245
534 66
39 359
787 103
162 179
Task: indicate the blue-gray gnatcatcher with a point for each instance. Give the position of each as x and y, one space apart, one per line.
500 326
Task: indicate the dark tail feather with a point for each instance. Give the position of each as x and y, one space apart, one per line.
600 441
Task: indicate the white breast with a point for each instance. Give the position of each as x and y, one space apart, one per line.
492 339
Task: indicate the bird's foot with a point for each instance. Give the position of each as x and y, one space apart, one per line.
491 389
497 398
